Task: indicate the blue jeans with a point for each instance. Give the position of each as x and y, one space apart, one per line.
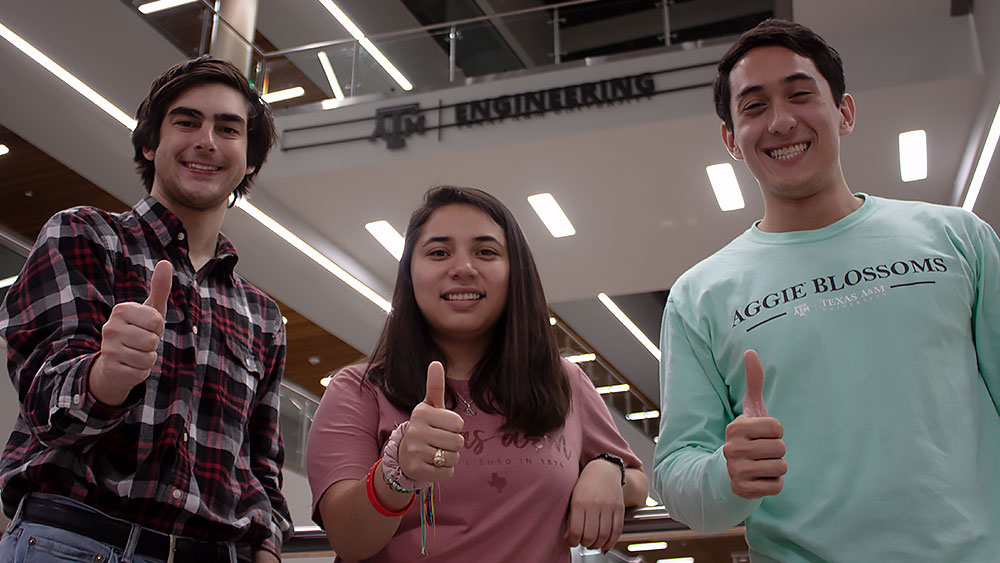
27 542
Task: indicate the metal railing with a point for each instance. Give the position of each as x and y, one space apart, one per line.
461 50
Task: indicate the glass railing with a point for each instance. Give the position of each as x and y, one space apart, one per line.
420 46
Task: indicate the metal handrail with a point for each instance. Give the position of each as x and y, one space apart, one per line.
425 28
641 524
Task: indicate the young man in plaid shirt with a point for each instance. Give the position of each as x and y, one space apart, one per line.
147 370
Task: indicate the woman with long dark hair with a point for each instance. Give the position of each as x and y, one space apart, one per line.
466 409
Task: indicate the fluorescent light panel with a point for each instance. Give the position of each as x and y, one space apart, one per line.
331 76
282 95
160 5
676 560
650 501
303 247
356 33
387 236
4 150
913 155
642 415
650 546
552 215
581 358
619 388
7 282
65 76
726 188
631 326
976 184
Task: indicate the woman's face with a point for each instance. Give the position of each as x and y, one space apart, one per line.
460 271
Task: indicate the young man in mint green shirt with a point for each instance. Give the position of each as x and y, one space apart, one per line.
832 376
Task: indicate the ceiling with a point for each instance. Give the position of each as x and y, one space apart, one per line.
631 178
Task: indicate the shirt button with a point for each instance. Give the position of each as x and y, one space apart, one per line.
176 494
76 399
180 236
194 329
185 436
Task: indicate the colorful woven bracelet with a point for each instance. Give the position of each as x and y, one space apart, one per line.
373 499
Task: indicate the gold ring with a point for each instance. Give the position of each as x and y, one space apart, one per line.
439 458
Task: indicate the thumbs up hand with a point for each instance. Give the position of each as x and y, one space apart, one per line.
432 428
754 449
130 340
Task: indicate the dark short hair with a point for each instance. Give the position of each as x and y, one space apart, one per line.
179 79
520 376
792 36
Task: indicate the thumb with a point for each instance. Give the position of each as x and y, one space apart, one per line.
435 385
753 400
159 286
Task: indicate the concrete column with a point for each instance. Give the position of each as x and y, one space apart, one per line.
242 14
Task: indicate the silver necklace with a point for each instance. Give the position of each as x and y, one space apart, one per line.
468 405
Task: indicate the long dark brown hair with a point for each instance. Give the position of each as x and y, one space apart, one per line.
519 376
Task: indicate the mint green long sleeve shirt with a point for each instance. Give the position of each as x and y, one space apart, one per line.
880 341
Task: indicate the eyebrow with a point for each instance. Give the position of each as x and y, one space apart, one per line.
225 117
796 77
480 238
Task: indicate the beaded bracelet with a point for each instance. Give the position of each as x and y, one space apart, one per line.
373 499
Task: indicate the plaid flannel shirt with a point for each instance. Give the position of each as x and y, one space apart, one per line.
195 450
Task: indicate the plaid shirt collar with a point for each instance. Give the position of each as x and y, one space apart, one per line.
169 230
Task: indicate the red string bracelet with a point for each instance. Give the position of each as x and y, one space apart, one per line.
370 487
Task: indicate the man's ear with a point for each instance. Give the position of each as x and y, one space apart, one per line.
729 139
148 153
846 114
250 169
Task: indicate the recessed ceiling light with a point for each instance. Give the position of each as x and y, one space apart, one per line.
913 155
552 321
642 415
4 150
620 388
331 77
631 326
282 95
387 236
726 188
552 215
318 257
64 75
976 184
325 381
284 319
676 560
650 501
650 546
356 33
581 358
159 5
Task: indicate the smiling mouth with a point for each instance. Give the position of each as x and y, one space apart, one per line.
784 153
463 296
202 167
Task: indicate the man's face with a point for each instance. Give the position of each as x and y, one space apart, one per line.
202 154
786 126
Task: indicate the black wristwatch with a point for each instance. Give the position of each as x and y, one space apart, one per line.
615 460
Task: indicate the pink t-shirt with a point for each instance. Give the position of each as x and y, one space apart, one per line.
509 497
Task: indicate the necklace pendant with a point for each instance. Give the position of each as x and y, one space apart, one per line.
469 410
